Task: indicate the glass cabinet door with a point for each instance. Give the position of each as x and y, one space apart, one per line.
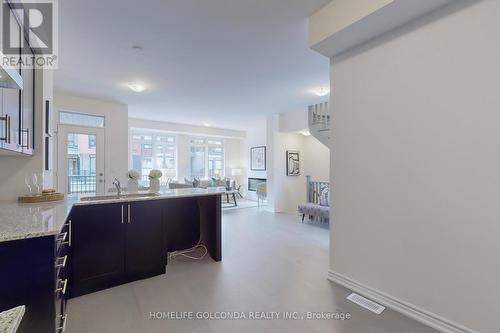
28 115
11 107
3 122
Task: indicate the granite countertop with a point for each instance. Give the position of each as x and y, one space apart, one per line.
22 220
10 319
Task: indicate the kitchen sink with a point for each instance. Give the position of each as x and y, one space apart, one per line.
121 196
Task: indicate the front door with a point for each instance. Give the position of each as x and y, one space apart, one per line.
80 153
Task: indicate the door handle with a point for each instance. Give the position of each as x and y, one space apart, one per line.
129 218
122 215
6 137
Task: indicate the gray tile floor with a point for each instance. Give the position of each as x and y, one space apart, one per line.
272 262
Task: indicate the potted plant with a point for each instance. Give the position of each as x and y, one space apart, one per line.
133 181
154 181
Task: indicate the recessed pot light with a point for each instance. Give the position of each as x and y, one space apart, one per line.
207 124
137 87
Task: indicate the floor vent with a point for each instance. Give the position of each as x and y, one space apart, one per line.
366 303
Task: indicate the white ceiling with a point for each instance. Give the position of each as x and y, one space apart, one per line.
224 62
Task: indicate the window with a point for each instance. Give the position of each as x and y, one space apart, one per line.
73 118
197 162
92 139
197 141
92 165
150 151
73 165
215 162
207 158
72 141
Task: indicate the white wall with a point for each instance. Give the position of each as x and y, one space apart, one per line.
285 193
338 15
116 131
415 165
316 159
294 121
288 191
234 157
186 129
15 168
256 137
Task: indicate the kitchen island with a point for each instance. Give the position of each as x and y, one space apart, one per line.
54 251
10 319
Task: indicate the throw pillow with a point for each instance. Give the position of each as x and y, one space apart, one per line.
324 198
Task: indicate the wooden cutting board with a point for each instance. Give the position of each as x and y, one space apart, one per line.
41 198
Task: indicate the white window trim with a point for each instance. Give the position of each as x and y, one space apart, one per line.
58 122
206 145
153 133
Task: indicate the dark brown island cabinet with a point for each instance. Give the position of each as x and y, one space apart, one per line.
100 246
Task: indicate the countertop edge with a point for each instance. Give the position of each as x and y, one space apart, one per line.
159 197
78 203
13 323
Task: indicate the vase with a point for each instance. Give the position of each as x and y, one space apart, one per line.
154 185
133 186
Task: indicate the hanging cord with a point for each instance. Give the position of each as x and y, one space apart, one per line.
186 253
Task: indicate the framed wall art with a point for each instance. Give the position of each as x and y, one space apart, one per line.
258 158
292 163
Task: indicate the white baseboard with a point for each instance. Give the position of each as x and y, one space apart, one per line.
425 317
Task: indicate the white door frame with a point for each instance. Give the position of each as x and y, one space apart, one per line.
62 147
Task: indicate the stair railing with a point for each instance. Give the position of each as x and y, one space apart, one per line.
319 116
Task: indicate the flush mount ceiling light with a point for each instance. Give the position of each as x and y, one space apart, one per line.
304 132
207 124
321 91
137 87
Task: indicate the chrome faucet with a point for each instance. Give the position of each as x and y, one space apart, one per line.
118 186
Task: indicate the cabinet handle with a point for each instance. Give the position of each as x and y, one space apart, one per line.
122 215
63 264
69 230
6 137
63 288
62 237
129 218
62 328
27 131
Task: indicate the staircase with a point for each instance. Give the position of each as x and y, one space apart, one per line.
319 122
